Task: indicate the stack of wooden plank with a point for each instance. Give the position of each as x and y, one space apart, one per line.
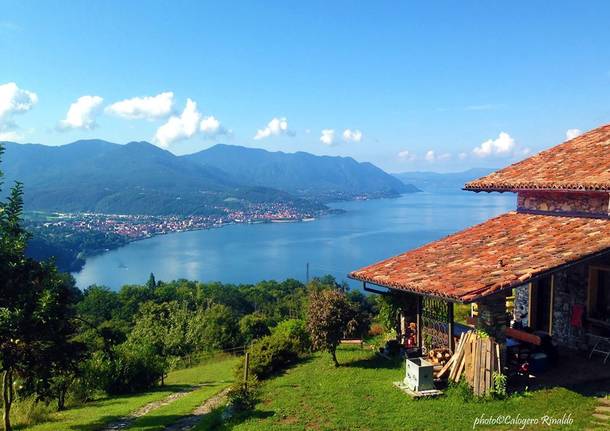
476 358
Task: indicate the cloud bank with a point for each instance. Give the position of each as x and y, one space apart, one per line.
275 127
327 137
15 100
181 127
82 113
352 135
148 107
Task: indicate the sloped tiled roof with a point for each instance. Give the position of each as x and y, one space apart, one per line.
503 252
582 163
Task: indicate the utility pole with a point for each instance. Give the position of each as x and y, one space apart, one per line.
307 273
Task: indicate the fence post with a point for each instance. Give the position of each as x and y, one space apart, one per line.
246 370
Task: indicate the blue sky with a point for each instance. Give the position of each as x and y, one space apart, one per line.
405 85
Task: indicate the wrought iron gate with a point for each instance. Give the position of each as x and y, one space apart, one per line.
435 324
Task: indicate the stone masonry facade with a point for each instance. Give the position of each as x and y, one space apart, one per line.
570 288
568 203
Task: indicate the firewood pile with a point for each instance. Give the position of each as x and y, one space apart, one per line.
439 356
476 359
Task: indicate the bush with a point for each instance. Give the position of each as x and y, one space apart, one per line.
271 354
28 412
376 330
130 368
295 329
242 398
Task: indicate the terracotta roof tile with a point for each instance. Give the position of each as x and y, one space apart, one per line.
582 163
503 252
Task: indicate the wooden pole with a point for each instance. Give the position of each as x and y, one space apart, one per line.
246 370
419 321
450 326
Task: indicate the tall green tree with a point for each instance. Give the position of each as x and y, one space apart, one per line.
36 308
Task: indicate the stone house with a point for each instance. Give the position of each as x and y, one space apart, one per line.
552 253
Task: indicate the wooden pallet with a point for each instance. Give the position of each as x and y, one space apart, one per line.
418 394
476 359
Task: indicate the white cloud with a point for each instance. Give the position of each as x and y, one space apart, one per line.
572 133
211 126
352 135
504 144
431 156
179 128
406 155
327 137
462 156
82 113
14 100
277 126
148 107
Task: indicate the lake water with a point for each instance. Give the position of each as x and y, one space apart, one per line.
367 232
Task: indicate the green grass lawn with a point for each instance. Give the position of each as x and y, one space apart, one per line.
215 377
214 373
359 396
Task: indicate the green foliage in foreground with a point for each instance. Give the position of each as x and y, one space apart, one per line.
359 396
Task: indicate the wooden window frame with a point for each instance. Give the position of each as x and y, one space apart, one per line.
593 269
531 321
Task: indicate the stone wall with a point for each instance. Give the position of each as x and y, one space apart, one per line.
571 203
492 315
522 301
570 287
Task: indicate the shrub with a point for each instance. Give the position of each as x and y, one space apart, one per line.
296 330
28 412
243 398
376 330
271 354
499 385
129 368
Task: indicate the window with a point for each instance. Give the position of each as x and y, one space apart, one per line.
541 304
599 293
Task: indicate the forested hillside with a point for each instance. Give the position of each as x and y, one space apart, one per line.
302 173
136 178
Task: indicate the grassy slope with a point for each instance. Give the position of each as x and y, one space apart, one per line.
215 377
360 396
91 416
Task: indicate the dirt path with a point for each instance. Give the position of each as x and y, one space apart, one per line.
188 422
125 421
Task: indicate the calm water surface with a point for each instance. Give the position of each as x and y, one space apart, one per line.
367 232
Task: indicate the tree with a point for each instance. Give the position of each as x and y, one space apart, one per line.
151 283
36 309
215 328
330 315
99 304
253 326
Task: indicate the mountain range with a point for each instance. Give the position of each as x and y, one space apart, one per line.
301 173
141 178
